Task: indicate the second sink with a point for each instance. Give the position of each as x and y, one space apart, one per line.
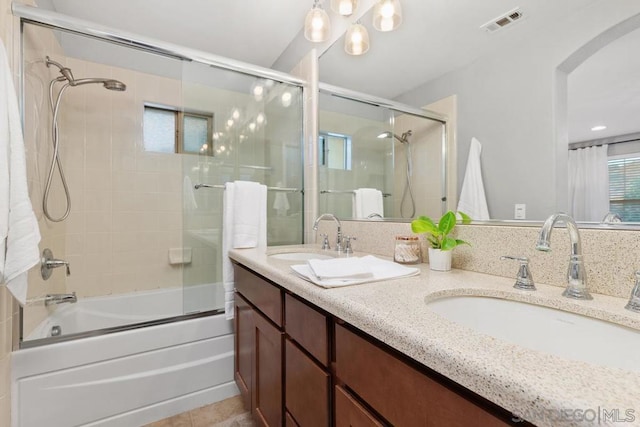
568 335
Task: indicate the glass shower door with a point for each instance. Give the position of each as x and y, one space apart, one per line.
255 135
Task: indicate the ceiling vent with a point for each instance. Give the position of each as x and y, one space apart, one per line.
503 21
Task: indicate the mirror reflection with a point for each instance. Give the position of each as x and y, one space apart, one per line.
367 155
523 92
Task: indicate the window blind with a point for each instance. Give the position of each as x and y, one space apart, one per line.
624 187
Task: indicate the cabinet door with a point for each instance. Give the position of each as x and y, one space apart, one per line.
243 348
307 388
350 413
266 393
401 394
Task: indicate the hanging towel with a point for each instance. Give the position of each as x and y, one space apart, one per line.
244 225
188 197
281 202
367 201
473 201
19 233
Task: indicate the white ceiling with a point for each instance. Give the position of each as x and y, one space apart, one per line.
436 36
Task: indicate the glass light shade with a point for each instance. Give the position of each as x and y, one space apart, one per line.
316 25
387 15
356 41
344 7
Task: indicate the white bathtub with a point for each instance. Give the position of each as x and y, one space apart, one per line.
127 378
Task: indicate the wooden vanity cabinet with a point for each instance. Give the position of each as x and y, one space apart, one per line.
297 366
259 343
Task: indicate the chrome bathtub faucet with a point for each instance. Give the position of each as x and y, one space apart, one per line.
51 299
576 275
634 299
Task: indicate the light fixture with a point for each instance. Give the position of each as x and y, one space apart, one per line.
316 25
387 15
286 99
597 128
344 7
356 42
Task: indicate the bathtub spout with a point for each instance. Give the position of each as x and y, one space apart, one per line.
50 299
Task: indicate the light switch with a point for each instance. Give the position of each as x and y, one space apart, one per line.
520 211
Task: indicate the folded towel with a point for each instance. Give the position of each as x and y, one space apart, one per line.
19 232
244 220
340 268
367 201
473 201
188 197
381 270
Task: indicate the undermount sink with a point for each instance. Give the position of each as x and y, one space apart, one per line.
299 256
567 335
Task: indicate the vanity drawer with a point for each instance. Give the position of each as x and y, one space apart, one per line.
400 393
265 296
308 327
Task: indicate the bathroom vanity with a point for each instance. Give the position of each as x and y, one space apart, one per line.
373 354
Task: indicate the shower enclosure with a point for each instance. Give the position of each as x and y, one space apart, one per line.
370 143
138 214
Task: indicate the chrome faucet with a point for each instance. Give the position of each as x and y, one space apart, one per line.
339 232
576 275
51 299
634 299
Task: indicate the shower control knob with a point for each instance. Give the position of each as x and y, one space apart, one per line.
48 263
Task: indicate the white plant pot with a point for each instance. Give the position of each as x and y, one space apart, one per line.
439 260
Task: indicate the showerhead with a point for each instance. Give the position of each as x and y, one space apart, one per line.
68 75
107 83
403 139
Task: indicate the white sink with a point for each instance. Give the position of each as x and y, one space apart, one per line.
299 256
568 335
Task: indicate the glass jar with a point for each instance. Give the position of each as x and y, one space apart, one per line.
407 250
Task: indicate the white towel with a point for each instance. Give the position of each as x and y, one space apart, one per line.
367 201
188 197
244 225
340 268
473 201
19 233
380 268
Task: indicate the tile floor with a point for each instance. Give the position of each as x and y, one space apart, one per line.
226 413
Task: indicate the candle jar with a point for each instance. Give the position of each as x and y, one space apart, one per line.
407 250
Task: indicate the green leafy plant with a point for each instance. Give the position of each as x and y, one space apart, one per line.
438 234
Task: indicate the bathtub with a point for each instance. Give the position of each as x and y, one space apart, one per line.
127 378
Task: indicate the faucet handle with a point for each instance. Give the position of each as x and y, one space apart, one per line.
524 279
347 244
325 242
634 299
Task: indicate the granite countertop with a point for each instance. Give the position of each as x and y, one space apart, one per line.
534 385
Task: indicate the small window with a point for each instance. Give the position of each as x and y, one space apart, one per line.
168 130
335 151
624 186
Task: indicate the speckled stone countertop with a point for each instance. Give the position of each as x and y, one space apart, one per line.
531 384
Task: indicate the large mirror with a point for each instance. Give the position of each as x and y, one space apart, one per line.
528 92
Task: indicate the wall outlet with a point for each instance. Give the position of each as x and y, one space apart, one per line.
520 211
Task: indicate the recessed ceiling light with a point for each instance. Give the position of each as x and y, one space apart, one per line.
597 128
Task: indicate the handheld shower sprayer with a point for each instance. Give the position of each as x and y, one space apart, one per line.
408 191
67 80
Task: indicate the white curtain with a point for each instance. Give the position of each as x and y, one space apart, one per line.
588 183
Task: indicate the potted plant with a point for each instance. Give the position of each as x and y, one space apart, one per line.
437 235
